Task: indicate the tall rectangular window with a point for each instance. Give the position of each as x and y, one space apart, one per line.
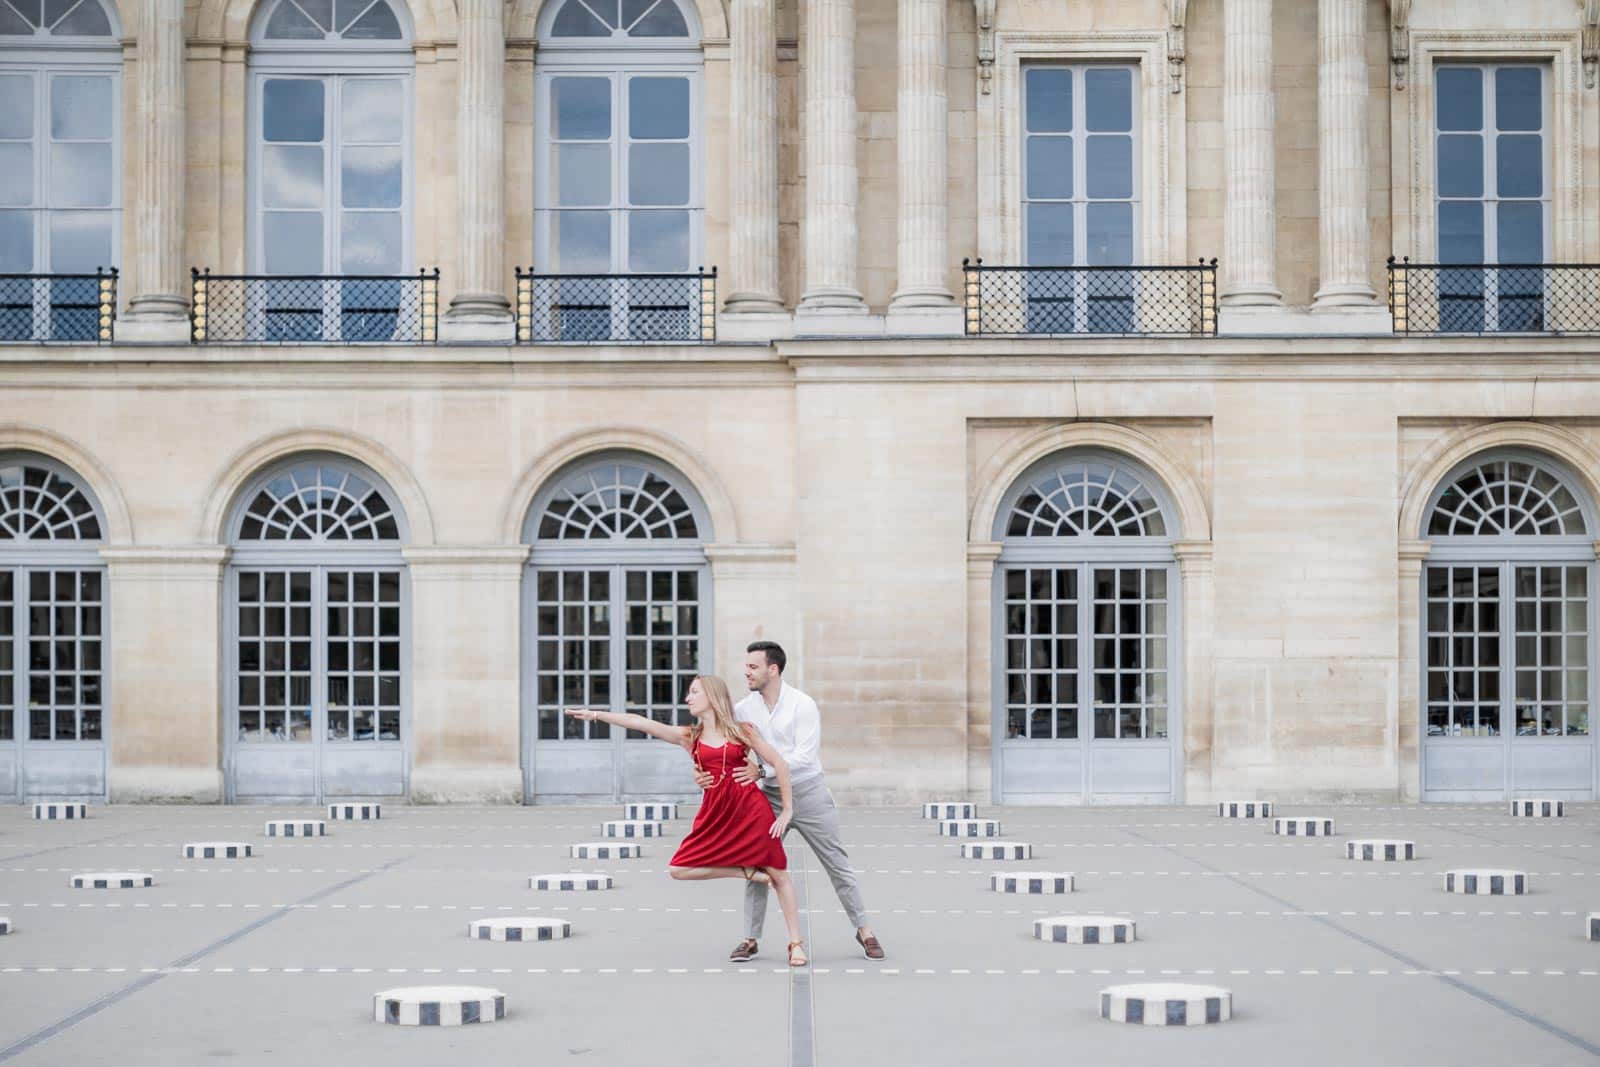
1492 152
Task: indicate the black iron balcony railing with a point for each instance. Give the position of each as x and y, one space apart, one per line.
315 309
1451 298
616 308
1054 301
59 308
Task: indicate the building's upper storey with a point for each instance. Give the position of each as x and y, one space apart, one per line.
385 171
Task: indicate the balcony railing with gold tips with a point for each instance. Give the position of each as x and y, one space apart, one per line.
59 308
353 309
617 308
1475 298
1116 301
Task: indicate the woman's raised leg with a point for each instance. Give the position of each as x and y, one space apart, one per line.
700 874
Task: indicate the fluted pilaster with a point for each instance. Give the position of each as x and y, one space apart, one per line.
480 310
753 281
1249 237
923 157
159 308
830 146
1345 231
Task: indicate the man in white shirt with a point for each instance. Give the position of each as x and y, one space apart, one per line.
790 722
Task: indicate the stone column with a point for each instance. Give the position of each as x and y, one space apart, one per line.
921 299
982 557
1249 235
159 309
753 281
1345 230
480 310
830 155
1197 568
1405 728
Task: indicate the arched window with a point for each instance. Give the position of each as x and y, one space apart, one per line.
60 162
331 137
318 648
617 595
1086 619
619 167
52 631
1507 628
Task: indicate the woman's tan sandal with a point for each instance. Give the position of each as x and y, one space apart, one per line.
797 954
757 875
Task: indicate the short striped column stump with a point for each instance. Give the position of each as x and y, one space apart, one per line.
570 883
605 850
1244 809
56 809
1085 930
1166 1004
217 850
1538 808
950 809
296 828
5 925
650 811
439 1005
113 880
354 812
632 828
1591 926
1030 882
1380 851
996 850
1303 826
521 929
969 828
1477 882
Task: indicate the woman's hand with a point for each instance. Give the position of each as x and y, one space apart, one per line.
583 714
781 823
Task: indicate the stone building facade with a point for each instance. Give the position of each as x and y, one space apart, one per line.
1093 522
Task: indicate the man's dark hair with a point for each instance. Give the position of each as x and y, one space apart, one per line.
773 651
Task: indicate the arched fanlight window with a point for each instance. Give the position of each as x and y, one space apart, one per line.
39 504
1085 498
319 502
1517 497
617 501
54 18
631 18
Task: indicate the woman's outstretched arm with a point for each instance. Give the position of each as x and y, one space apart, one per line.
769 756
677 735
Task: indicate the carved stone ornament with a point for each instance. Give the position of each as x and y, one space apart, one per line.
985 12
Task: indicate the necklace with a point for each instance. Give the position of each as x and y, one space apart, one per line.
724 769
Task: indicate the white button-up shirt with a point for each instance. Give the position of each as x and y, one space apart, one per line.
793 727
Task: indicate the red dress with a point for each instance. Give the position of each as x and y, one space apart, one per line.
734 825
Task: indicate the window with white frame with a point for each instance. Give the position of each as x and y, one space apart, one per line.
619 156
1079 195
1492 152
60 155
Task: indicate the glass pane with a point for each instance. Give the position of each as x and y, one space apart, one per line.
289 23
16 106
1049 168
658 240
1049 235
658 108
664 20
580 108
88 19
321 11
293 242
372 111
1521 238
347 11
1110 234
80 241
1460 232
658 173
291 109
1108 101
1109 162
16 175
575 20
1519 165
1518 98
1460 165
1458 98
80 175
582 175
1049 100
291 176
370 176
378 24
583 242
80 107
13 23
370 242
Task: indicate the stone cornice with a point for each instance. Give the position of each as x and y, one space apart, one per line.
454 562
197 563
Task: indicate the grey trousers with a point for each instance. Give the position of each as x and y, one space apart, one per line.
818 822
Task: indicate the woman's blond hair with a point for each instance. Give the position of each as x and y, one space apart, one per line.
732 729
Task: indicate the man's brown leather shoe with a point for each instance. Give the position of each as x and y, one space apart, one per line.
869 947
744 951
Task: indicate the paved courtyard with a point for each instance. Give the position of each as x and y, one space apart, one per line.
276 958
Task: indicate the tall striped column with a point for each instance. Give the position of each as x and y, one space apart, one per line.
1249 237
923 136
830 158
753 279
159 308
1345 231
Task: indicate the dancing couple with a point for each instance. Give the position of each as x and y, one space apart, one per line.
739 830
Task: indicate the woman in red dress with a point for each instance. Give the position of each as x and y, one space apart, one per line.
735 834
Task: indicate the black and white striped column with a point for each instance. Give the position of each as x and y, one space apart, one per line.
996 850
627 828
519 929
56 809
1380 851
1538 808
570 883
296 828
217 850
113 880
605 850
1086 930
950 809
1485 882
1303 826
1166 1004
439 1006
1034 882
969 828
345 812
650 811
1244 809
